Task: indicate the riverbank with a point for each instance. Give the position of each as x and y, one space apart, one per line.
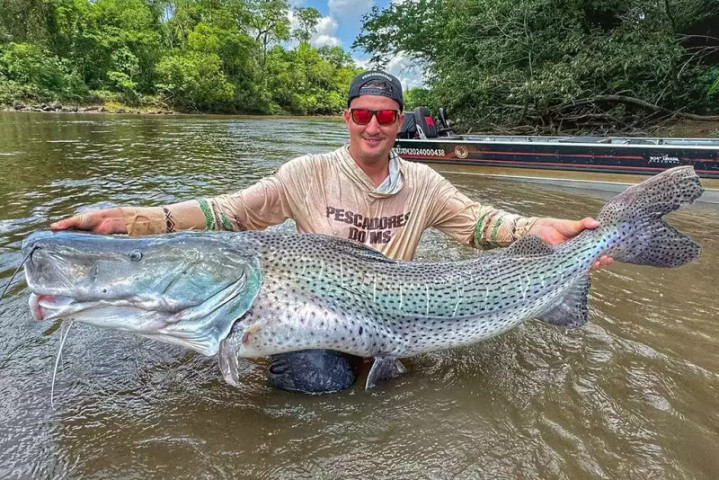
677 129
106 107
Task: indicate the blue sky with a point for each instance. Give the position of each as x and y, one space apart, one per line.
341 23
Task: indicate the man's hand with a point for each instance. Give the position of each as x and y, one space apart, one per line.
105 221
554 231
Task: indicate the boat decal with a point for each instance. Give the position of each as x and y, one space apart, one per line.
430 152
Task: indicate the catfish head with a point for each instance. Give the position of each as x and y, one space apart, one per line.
186 288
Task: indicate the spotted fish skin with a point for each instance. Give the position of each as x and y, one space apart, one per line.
296 292
321 292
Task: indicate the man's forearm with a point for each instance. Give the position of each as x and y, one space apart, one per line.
497 228
166 219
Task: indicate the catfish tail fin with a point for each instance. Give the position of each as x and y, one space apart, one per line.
643 237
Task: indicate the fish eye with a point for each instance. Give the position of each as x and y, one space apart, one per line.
135 256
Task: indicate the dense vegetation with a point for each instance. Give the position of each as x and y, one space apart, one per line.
557 65
193 55
510 65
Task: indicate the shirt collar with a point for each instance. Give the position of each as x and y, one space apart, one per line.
394 181
391 185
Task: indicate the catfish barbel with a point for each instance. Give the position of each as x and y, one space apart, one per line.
255 294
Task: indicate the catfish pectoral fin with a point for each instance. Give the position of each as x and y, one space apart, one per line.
229 363
384 368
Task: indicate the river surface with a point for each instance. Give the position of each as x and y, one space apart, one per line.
632 395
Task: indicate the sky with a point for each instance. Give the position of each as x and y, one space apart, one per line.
341 23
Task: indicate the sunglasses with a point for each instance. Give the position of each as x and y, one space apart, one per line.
362 116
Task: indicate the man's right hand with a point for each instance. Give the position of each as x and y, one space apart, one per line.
105 221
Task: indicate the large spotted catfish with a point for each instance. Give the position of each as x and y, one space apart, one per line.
255 294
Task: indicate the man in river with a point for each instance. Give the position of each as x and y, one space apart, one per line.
362 191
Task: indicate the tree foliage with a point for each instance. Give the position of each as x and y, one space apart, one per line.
30 68
307 20
556 64
195 55
269 22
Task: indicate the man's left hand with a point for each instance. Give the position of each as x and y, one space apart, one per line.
554 231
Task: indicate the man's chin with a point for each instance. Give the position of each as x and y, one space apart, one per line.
375 149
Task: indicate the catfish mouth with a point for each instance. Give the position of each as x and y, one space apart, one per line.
50 307
198 327
45 307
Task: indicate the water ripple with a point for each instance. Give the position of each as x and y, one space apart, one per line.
631 395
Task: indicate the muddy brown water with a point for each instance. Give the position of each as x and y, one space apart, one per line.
632 395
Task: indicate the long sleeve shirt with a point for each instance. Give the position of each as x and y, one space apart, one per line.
330 194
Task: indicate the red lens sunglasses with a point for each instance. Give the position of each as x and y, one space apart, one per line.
362 116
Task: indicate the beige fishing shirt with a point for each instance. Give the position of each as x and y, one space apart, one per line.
330 194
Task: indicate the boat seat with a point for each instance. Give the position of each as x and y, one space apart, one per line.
409 127
425 122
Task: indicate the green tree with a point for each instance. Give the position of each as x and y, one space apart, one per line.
29 68
198 55
269 22
336 56
302 82
553 64
193 81
418 97
307 20
238 54
117 36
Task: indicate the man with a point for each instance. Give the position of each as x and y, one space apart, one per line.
363 192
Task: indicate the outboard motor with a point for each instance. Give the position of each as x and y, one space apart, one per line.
442 121
444 129
419 124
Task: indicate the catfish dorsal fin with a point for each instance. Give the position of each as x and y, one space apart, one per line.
354 248
530 245
571 311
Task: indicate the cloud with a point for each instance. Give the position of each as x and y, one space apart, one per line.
326 34
407 70
362 63
349 8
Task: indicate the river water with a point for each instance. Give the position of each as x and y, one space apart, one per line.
632 395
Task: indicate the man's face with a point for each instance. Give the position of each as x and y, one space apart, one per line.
372 142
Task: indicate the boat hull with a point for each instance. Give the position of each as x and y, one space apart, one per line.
641 156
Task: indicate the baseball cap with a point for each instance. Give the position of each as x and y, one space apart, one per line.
393 90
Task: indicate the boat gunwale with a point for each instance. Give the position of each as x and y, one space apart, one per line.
462 140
